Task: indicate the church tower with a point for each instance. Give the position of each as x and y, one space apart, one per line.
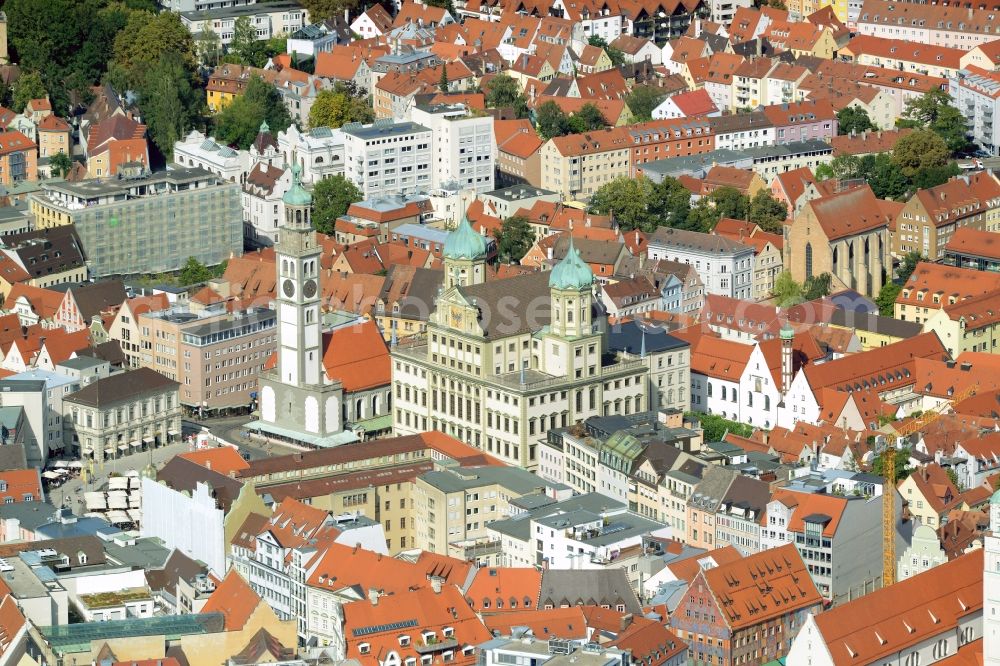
571 286
464 257
991 587
297 255
298 401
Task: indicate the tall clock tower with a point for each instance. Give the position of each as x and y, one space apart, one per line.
298 401
297 257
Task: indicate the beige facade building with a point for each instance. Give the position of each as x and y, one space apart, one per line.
577 165
930 218
504 362
845 234
123 413
215 355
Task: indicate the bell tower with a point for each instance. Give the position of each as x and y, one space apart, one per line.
991 586
464 257
297 255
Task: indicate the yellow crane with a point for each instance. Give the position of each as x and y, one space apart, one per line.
889 516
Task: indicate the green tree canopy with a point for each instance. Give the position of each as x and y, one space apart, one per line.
145 39
817 286
642 100
170 102
933 176
320 10
886 299
208 46
883 176
338 106
767 212
550 120
331 198
628 200
503 91
28 86
854 119
194 272
670 204
901 460
730 202
787 291
716 427
922 149
244 43
514 238
61 164
703 216
908 264
934 111
239 123
588 118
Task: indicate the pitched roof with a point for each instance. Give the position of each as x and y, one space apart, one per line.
882 141
357 356
762 586
959 198
936 488
593 587
235 599
650 642
21 482
123 386
848 213
97 297
546 623
906 51
14 142
504 589
222 459
947 283
974 242
889 620
694 102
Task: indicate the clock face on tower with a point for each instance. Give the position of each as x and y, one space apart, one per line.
289 288
309 288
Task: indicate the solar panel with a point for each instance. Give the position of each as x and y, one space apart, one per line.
379 628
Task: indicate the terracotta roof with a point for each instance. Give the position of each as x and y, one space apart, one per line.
888 621
717 68
936 488
798 36
947 283
380 17
629 44
53 123
848 213
21 482
650 642
235 599
116 127
357 357
342 62
416 12
904 50
609 84
974 19
739 587
811 505
882 141
687 569
694 102
568 623
959 198
223 459
12 620
504 589
973 242
14 142
724 176
720 359
687 48
418 613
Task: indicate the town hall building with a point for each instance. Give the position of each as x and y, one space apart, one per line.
503 362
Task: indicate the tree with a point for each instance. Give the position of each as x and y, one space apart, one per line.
337 106
61 164
902 458
703 216
550 120
787 291
670 204
715 427
920 150
244 44
514 238
908 264
443 83
883 176
443 4
589 117
841 167
730 202
170 103
320 10
208 46
331 198
953 477
194 272
933 176
617 56
933 111
239 123
767 212
28 86
855 120
886 299
145 38
642 100
502 91
816 286
628 200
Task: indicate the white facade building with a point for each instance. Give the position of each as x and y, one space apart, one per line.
198 150
725 266
977 96
388 157
190 522
463 146
282 17
319 151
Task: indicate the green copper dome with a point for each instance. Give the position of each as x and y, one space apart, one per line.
296 194
996 498
787 332
464 243
572 272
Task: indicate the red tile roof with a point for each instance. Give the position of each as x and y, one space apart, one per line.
235 599
222 459
694 102
891 620
14 142
504 589
804 505
568 623
357 357
848 213
650 642
19 483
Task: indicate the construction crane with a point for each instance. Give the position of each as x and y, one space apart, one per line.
889 516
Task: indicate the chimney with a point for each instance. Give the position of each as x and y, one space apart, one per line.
347 16
548 252
373 596
436 582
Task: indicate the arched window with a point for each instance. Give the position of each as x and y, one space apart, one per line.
809 260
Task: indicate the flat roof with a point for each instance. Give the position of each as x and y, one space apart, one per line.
104 186
70 638
242 10
382 128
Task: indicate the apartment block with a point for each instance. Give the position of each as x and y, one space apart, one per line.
388 157
464 151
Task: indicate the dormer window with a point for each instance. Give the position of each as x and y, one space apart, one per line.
404 641
364 648
448 632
